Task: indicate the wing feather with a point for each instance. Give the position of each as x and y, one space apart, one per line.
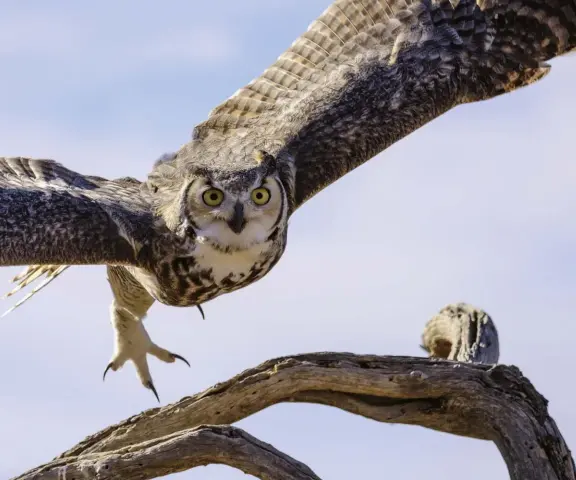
368 72
341 23
52 215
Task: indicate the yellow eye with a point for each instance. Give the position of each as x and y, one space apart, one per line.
213 197
261 196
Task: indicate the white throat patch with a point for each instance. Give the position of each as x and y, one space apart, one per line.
221 234
234 265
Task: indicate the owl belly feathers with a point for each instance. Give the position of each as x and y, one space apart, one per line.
209 272
229 271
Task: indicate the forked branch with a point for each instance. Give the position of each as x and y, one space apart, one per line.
490 402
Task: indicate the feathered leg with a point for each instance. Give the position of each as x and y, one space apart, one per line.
132 342
35 272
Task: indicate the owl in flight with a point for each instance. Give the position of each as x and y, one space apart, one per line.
212 217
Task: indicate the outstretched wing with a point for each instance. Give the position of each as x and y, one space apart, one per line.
369 72
53 216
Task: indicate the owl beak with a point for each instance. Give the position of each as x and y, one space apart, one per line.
237 222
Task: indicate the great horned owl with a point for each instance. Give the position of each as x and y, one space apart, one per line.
213 217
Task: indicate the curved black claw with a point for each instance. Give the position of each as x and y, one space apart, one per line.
150 385
179 357
201 311
108 367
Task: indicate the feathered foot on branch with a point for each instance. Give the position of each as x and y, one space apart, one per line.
133 343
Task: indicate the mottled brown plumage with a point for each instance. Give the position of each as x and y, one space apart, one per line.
363 76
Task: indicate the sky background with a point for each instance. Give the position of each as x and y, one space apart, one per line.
477 206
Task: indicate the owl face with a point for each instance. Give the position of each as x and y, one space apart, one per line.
238 211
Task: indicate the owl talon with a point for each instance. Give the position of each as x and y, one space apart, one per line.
108 367
141 364
150 386
179 357
134 344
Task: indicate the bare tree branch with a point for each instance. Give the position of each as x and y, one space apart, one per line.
470 399
178 452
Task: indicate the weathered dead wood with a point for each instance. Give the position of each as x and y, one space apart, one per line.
178 452
491 402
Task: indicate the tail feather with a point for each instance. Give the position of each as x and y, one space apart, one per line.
29 275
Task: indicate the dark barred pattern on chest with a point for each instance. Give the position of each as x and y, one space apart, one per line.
183 282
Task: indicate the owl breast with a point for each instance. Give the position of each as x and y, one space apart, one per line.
208 272
229 269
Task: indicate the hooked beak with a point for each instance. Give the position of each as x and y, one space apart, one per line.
237 222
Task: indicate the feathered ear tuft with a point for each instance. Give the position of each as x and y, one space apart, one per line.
166 157
265 161
259 156
163 188
162 175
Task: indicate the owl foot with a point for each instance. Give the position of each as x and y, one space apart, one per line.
133 343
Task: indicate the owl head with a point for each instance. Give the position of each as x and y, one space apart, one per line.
230 206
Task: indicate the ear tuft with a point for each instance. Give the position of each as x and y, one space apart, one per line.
260 156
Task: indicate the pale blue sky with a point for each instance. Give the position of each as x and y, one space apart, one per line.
478 206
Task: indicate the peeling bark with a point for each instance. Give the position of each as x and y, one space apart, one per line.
474 399
178 452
